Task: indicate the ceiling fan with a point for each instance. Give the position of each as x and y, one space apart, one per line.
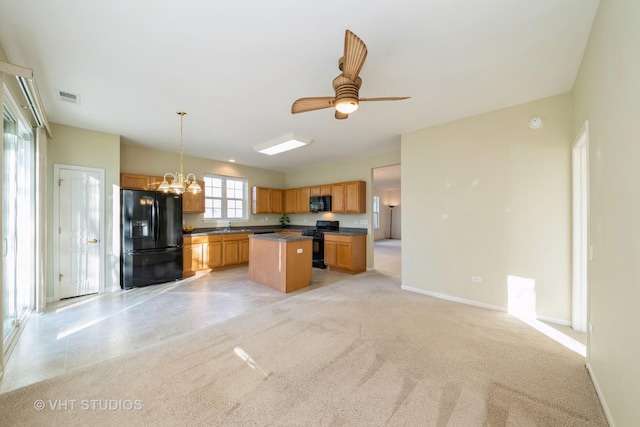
346 85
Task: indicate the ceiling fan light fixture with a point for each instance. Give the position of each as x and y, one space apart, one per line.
347 105
282 144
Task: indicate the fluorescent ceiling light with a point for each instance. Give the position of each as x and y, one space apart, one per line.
280 145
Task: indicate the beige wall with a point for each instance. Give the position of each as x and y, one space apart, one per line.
158 163
607 94
81 147
352 170
488 196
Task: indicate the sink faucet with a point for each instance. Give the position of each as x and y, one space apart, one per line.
229 226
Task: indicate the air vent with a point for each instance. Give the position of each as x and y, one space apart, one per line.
68 97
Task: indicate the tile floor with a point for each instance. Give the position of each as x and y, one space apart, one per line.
78 332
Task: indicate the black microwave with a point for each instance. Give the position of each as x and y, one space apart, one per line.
320 204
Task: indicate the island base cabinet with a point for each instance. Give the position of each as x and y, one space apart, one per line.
284 266
345 253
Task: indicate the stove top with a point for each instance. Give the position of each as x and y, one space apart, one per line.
321 227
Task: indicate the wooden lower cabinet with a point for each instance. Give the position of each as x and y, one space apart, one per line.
214 252
346 253
195 254
235 249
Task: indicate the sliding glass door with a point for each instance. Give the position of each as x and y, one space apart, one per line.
18 220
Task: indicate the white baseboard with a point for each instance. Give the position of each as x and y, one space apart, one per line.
603 402
555 321
452 298
480 304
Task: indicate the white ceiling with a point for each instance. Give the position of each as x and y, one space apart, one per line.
236 67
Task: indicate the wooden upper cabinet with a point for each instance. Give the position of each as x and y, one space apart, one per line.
337 197
302 204
260 200
355 195
139 182
325 190
314 190
193 203
266 200
275 196
290 197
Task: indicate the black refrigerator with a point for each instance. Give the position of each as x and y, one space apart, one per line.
151 244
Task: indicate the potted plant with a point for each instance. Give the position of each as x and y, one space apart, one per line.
284 220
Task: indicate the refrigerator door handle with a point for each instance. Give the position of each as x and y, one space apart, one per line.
154 219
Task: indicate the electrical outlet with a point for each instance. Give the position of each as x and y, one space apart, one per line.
476 279
299 250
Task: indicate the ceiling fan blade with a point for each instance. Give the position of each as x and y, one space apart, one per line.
341 116
303 105
355 52
390 98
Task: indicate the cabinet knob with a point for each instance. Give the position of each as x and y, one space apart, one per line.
92 241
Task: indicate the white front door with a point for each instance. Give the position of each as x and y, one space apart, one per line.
78 231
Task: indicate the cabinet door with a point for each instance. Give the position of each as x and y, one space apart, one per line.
260 200
244 250
276 200
344 258
302 196
187 263
354 197
230 252
314 190
134 182
198 256
290 200
331 253
325 190
337 197
193 203
154 182
214 254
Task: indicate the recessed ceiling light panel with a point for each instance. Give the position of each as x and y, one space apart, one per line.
282 144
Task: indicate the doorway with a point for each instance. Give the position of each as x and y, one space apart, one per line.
580 208
78 231
386 221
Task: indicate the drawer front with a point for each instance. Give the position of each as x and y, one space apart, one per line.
235 236
337 238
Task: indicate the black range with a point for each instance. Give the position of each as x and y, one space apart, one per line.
318 239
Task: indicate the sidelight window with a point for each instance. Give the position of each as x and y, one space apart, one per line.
376 212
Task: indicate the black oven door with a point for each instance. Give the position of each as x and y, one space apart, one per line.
318 252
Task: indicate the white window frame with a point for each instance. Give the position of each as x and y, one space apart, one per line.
376 212
224 198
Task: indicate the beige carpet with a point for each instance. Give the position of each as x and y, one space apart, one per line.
359 352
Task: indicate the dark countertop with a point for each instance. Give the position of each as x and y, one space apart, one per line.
268 229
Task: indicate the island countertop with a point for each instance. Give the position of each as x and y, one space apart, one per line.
277 237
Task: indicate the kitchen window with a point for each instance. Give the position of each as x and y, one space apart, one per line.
225 198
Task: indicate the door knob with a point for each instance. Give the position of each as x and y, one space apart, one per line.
93 241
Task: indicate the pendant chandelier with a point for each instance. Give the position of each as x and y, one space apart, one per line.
180 183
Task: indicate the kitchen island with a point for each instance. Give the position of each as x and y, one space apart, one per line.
280 261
